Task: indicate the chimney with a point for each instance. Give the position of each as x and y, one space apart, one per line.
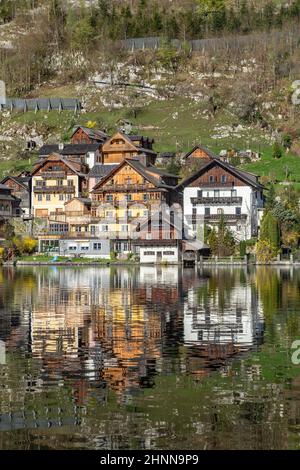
61 146
143 159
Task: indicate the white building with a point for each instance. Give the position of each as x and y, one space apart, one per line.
219 188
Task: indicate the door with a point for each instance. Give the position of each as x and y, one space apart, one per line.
159 256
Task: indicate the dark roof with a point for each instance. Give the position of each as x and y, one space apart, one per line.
167 154
144 171
101 170
95 134
206 150
4 187
249 178
22 180
69 149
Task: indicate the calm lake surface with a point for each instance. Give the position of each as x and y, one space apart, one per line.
149 358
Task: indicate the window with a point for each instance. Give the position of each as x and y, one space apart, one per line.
223 179
238 211
70 183
199 193
84 248
60 182
149 253
72 248
233 193
40 197
109 198
211 178
39 183
104 228
97 246
220 211
48 197
93 228
217 193
207 211
128 197
61 197
200 335
169 253
145 197
124 228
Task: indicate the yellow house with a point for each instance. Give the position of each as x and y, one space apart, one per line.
55 181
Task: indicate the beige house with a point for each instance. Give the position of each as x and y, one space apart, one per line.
54 182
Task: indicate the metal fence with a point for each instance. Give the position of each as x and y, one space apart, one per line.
213 44
42 104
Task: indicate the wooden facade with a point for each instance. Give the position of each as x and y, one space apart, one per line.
120 146
20 188
86 135
199 153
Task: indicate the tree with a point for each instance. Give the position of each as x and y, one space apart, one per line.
265 251
269 230
276 150
221 242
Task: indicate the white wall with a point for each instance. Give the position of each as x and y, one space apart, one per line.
153 258
241 229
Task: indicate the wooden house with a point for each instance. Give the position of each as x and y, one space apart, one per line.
199 154
9 204
86 135
20 188
121 146
129 192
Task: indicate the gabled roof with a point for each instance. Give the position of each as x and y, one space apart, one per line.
85 200
95 134
245 176
204 149
130 140
143 170
21 180
69 149
55 157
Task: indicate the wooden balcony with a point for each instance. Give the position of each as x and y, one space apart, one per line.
124 187
53 189
216 184
53 174
222 201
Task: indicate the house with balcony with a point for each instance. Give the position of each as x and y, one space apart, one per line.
20 186
85 154
127 196
220 190
55 181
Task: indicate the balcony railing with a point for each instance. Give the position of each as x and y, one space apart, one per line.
53 174
124 187
216 184
226 217
54 189
217 200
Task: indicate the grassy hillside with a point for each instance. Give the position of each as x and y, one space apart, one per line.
175 124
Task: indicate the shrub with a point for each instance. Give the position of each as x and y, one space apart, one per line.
265 251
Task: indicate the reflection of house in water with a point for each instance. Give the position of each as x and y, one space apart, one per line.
94 326
221 318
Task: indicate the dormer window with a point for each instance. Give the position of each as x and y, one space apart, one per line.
223 179
211 178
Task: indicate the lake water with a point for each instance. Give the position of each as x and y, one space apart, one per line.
149 358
